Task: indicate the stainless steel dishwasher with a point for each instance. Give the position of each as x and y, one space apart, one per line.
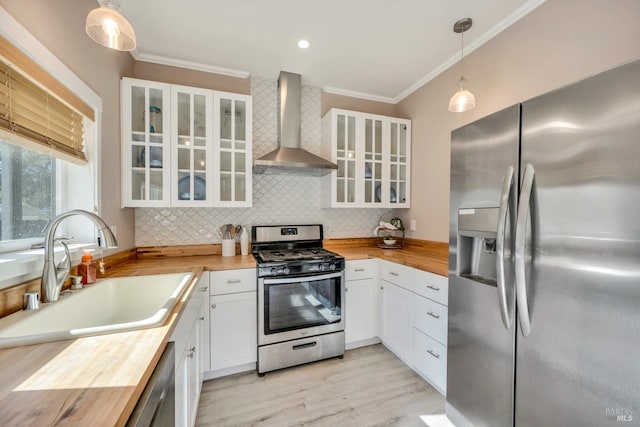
156 406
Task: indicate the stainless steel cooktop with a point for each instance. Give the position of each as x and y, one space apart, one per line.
312 254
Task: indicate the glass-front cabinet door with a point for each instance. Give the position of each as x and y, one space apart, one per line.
145 143
373 157
192 142
373 162
346 158
399 163
185 146
339 133
233 148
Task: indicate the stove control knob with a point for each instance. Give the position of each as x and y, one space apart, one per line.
274 271
285 271
332 267
324 267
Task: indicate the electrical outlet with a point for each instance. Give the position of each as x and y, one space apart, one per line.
412 225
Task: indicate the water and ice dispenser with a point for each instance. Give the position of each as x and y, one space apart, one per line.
477 244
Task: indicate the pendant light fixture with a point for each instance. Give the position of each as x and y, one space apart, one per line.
462 100
109 28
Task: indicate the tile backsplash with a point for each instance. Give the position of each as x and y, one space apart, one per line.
277 199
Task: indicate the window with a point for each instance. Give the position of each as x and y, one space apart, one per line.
36 92
44 152
27 192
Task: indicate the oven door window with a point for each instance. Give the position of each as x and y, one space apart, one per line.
304 303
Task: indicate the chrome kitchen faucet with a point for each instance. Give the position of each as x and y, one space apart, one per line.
53 276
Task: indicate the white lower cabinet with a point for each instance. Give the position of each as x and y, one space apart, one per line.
430 359
403 307
190 354
234 330
413 320
361 303
205 348
233 320
430 318
182 391
191 381
395 320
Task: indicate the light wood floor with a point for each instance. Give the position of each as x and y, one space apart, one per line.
369 387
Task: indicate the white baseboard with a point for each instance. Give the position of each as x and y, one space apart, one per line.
229 371
362 343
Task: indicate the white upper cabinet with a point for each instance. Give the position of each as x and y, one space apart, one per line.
373 157
146 143
232 142
192 148
398 186
184 146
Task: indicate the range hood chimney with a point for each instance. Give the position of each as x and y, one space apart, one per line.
289 158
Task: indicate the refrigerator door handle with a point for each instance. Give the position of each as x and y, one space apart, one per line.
521 239
506 196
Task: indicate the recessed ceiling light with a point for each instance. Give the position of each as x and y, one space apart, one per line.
303 44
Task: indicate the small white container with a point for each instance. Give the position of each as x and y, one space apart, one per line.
228 247
244 241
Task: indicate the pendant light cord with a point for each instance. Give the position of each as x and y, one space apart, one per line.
462 54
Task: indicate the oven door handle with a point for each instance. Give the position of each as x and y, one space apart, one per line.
298 279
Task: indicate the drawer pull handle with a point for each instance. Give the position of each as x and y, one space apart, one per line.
213 306
358 270
202 289
434 354
393 273
432 314
307 345
201 317
232 281
435 288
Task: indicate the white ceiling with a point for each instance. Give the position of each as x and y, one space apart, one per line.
374 49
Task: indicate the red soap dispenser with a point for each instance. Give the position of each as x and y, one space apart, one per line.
87 269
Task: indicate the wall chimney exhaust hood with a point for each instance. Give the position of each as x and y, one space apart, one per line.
289 157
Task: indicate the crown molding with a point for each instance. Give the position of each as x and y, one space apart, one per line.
491 33
488 35
198 66
361 95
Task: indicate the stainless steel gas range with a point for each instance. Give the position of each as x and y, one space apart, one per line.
300 296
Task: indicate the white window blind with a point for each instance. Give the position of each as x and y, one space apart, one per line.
36 108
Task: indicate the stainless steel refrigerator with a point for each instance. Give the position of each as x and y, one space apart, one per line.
544 261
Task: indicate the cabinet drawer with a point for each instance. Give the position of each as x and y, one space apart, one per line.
360 269
399 274
431 318
430 360
232 281
432 286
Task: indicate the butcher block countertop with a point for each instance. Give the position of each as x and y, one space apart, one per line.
83 382
98 380
434 260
